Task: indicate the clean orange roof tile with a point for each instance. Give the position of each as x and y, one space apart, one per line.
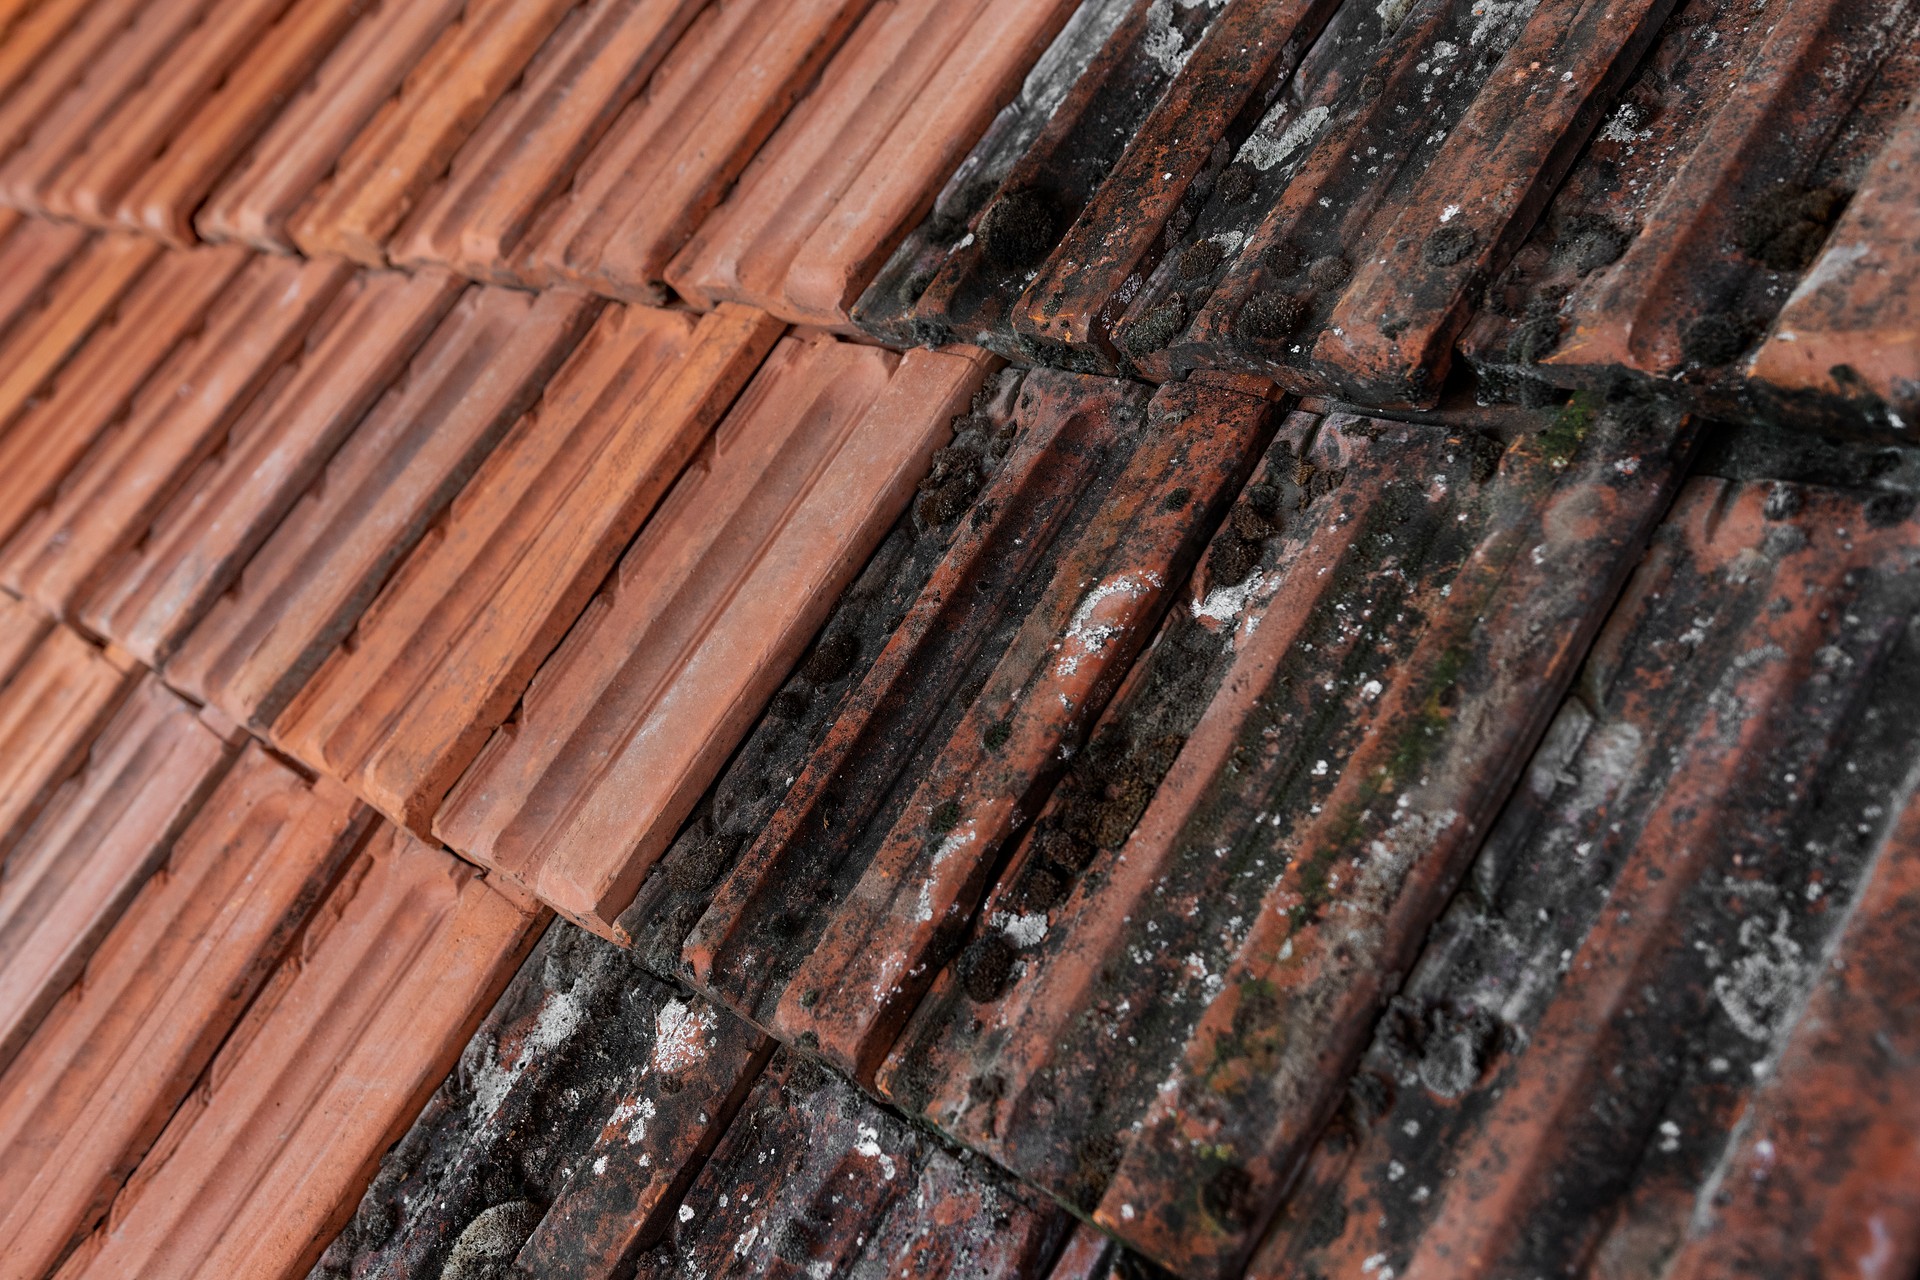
60 694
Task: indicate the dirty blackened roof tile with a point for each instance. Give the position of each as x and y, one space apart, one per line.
263 1162
409 141
1705 202
314 127
58 694
1090 1254
813 1178
855 163
386 487
93 1087
531 141
181 418
670 155
1272 815
632 718
1607 1028
885 309
62 401
146 596
1112 65
724 824
878 856
583 1056
416 688
102 833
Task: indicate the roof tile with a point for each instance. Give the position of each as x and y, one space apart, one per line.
108 827
632 717
262 1163
386 487
92 1088
440 658
59 694
1608 1021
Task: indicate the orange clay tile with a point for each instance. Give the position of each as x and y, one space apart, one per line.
685 1091
150 593
27 31
266 1159
180 419
118 1053
668 158
136 89
21 627
408 144
57 422
42 61
33 254
59 696
104 831
857 161
384 490
61 316
528 146
155 169
1852 326
633 716
416 688
312 129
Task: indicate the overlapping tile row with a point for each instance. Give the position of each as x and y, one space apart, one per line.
834 918
57 690
1158 1008
1320 193
256 1171
90 1090
1700 232
1664 1028
630 720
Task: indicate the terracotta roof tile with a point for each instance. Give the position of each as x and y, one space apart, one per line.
259 1167
669 156
258 197
414 691
71 875
60 692
33 254
533 138
409 141
857 161
182 417
1012 650
1608 1022
21 627
583 1046
96 1082
27 32
386 487
150 593
632 717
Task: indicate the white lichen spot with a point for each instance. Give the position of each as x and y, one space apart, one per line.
1275 140
1163 45
1091 630
869 1146
680 1035
1223 604
1760 985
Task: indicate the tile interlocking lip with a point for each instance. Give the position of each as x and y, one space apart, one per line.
256 1171
851 1189
830 193
668 158
257 198
55 413
526 149
93 1087
52 703
388 485
1608 1023
1107 502
1179 1019
414 691
183 415
72 874
633 716
146 597
410 140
